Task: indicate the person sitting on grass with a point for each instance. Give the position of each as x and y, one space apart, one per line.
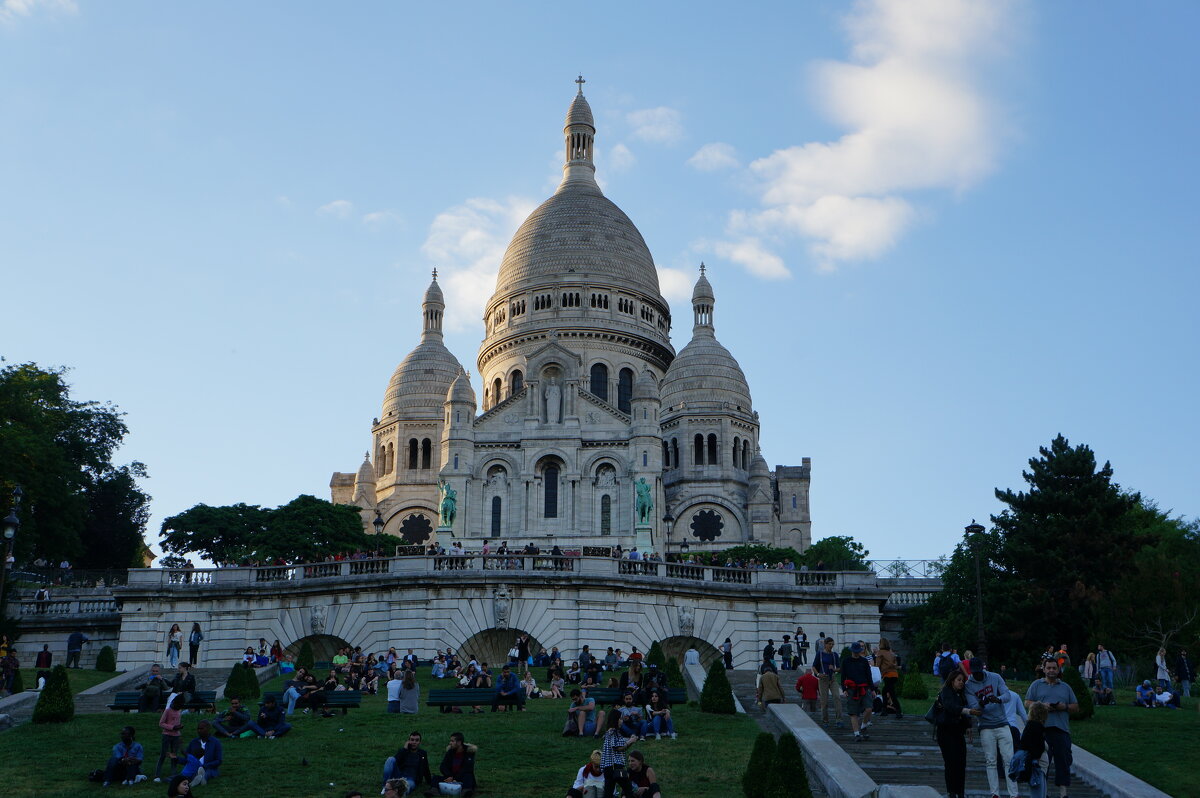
631 716
233 722
508 690
125 764
409 766
530 686
645 782
589 781
1102 696
204 756
581 716
458 767
1165 698
271 723
1145 695
179 786
658 717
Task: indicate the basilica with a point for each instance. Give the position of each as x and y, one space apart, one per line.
592 430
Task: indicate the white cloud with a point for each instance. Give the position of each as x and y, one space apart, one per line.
340 209
284 201
661 125
12 10
620 158
467 243
675 284
916 119
714 156
751 254
379 219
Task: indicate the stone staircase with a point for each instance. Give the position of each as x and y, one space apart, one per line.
899 751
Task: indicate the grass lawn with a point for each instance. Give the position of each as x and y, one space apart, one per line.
520 754
80 679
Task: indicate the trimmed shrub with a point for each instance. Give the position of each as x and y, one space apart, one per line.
1083 694
717 695
242 683
106 660
758 769
913 685
305 658
788 778
674 674
18 684
55 704
655 656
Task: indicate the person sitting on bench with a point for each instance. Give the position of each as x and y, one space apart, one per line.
508 690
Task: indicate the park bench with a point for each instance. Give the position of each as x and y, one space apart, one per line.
614 695
127 701
461 697
334 699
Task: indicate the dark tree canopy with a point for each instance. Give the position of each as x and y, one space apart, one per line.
78 504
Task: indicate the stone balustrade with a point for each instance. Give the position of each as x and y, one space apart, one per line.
72 607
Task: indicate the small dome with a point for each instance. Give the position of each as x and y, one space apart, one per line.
433 294
421 380
366 472
704 372
645 386
580 112
703 290
461 390
758 466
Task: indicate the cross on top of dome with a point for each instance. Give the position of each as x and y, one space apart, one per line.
580 81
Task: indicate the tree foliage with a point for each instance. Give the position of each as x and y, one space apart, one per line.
78 504
788 778
655 656
305 658
837 553
106 660
305 529
1083 694
717 695
674 673
758 769
55 704
242 683
913 685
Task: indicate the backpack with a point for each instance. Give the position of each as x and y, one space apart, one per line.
946 666
785 650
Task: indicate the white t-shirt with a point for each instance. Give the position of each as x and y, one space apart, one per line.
1162 698
393 688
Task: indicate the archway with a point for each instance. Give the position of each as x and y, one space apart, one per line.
677 646
492 645
323 647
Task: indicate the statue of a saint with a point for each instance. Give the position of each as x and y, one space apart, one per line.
317 621
645 504
553 402
501 604
448 507
687 621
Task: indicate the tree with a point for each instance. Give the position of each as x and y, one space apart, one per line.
1083 694
717 695
242 683
305 658
106 660
788 777
60 452
758 768
837 553
913 685
55 704
219 534
655 656
674 673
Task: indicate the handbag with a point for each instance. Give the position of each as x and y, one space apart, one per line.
935 713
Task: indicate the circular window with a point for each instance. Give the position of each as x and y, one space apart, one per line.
416 528
707 525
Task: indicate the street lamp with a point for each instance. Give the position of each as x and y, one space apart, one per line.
668 519
378 523
10 524
975 535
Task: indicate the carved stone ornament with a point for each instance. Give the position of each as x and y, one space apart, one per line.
317 622
687 621
502 601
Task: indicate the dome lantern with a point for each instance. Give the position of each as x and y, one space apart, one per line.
580 135
432 309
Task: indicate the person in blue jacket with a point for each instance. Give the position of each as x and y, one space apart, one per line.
204 756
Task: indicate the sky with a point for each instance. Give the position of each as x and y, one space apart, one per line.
939 232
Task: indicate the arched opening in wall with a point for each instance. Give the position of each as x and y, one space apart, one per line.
606 514
712 450
416 527
391 458
496 387
324 647
412 453
675 452
746 455
381 459
550 490
677 646
737 451
492 645
426 454
698 449
497 507
666 455
625 390
516 383
598 384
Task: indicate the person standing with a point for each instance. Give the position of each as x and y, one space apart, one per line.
1186 672
727 654
1161 672
769 689
856 681
1061 700
889 671
807 686
768 653
953 723
801 646
170 723
612 756
174 644
75 643
986 692
194 644
785 653
1107 664
1033 743
827 664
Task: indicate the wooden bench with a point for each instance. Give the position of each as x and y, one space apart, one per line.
334 699
462 697
614 695
127 701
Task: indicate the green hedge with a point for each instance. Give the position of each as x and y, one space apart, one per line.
674 674
717 695
913 685
788 777
305 658
1083 694
655 656
55 704
756 777
106 660
242 683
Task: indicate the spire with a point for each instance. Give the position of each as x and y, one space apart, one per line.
703 300
432 308
580 134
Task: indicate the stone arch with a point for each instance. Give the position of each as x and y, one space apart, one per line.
509 463
678 645
492 645
403 524
734 523
323 646
596 459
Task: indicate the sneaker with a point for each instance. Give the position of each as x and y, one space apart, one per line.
858 738
657 736
840 725
106 784
866 725
140 778
674 735
157 780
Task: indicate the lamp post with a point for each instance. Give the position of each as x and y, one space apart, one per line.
378 523
668 519
974 533
10 525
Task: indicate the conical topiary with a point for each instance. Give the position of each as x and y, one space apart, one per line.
717 695
305 658
18 684
674 673
913 685
655 656
242 683
1083 694
758 769
106 660
55 704
788 778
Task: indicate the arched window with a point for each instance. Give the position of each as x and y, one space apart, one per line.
496 387
455 462
675 452
599 382
550 491
516 383
698 449
666 455
737 451
426 453
496 508
712 450
645 458
625 390
391 458
793 501
606 514
745 455
381 460
412 453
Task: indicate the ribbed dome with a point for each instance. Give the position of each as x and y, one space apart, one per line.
705 372
433 294
578 230
461 390
580 113
703 289
759 467
645 386
422 379
366 473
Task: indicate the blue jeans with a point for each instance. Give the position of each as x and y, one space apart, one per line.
292 695
1106 677
389 773
173 656
115 771
1185 688
658 725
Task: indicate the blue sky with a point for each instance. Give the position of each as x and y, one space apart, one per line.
940 233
